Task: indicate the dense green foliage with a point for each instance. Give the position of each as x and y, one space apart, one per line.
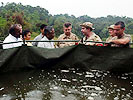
32 17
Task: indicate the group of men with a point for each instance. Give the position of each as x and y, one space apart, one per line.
117 36
48 34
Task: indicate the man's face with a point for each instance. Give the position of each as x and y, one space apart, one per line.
118 30
51 34
42 30
68 30
17 32
20 29
84 30
111 32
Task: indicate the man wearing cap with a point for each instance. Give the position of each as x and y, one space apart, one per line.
68 35
14 36
89 35
49 35
123 39
111 33
40 36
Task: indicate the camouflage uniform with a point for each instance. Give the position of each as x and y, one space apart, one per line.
93 37
64 37
111 38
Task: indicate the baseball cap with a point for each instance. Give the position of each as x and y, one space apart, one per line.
111 27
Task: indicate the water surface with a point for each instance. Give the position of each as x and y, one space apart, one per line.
70 84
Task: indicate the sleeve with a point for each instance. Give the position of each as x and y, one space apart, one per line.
40 44
76 38
35 43
111 38
128 36
98 39
7 46
59 38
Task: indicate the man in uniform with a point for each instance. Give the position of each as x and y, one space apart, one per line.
89 35
112 35
40 36
123 39
68 35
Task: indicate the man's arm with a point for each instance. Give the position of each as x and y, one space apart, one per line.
121 41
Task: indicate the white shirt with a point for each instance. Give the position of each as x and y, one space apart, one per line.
9 39
49 45
37 38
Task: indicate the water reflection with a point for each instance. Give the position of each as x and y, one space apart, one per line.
71 84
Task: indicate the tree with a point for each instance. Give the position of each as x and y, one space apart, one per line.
32 17
129 28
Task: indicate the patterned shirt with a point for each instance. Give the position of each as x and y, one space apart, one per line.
93 37
65 37
110 38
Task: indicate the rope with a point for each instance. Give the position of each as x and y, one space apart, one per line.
103 42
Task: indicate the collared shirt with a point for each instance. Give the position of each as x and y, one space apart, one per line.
37 38
11 38
49 45
65 37
93 37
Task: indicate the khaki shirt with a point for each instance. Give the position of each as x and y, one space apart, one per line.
123 37
64 37
126 36
93 37
109 39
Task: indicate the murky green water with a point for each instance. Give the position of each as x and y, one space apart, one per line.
72 84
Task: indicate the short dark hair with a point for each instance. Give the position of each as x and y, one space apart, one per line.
67 24
43 26
120 23
13 28
48 29
25 32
